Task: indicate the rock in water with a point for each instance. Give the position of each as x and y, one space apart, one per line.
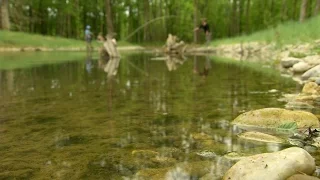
272 166
274 117
261 137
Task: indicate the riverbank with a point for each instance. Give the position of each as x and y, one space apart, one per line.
19 41
67 49
294 46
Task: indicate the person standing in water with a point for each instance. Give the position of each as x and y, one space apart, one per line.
88 37
205 27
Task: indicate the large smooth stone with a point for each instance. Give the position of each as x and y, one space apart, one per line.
261 137
300 67
274 117
272 166
289 62
313 72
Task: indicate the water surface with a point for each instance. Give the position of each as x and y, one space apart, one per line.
83 118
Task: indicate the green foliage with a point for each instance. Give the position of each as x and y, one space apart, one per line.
226 18
287 33
19 39
290 126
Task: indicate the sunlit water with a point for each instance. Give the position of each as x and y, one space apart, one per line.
137 118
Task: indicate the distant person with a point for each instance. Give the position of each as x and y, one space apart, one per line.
88 37
206 29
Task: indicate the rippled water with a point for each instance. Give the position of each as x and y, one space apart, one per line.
135 118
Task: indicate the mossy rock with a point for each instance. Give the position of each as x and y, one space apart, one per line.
154 174
201 136
164 161
235 156
261 137
144 154
274 117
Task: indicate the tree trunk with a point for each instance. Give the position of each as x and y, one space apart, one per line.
317 9
303 10
234 23
146 34
195 19
109 17
284 12
248 16
5 22
240 19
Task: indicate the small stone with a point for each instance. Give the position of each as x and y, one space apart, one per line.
207 154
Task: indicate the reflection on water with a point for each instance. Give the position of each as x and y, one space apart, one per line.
206 68
157 119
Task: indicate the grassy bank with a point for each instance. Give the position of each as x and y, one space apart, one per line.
287 33
20 40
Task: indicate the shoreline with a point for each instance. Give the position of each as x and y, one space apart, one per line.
63 49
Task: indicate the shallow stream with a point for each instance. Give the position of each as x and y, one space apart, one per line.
62 116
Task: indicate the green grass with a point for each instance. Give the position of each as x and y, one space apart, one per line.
287 33
20 39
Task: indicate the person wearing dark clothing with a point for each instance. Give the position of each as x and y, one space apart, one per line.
206 29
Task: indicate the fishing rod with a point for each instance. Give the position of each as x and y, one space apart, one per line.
147 23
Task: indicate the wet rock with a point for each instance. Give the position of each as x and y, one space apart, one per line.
300 67
170 152
296 142
207 154
194 170
201 136
273 91
189 170
305 98
234 156
164 161
146 174
289 61
310 148
272 166
316 142
296 105
317 171
274 117
302 177
313 72
211 176
311 88
261 137
218 169
146 154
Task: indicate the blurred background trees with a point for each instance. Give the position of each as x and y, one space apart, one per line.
227 18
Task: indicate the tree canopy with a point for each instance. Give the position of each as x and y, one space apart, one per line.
227 18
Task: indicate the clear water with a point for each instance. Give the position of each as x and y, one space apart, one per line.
151 119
